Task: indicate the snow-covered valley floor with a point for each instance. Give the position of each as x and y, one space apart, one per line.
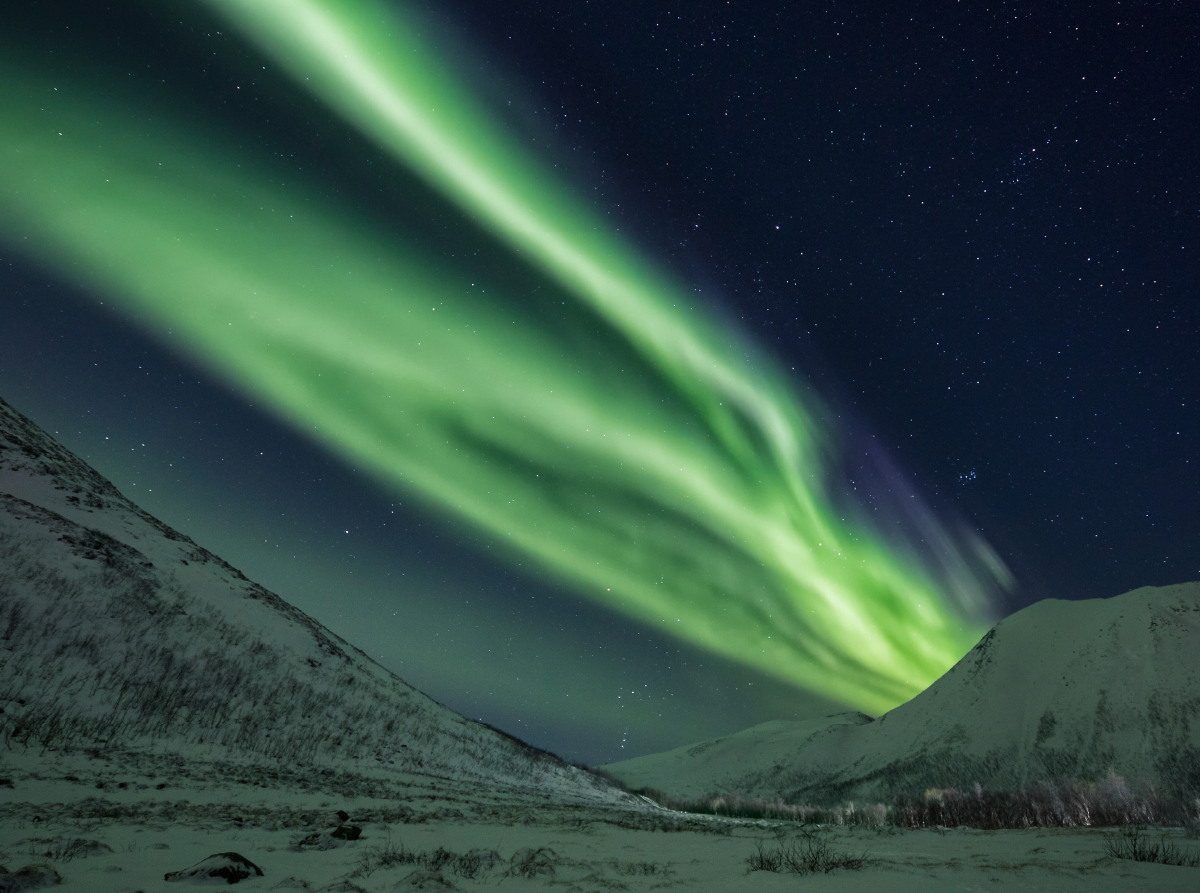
100 836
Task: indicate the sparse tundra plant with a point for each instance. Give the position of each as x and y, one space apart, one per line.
1110 802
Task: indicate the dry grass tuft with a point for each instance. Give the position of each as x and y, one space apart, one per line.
811 854
1134 844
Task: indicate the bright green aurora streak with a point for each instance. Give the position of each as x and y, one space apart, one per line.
648 465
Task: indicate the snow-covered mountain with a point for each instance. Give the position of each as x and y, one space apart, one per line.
1059 690
121 635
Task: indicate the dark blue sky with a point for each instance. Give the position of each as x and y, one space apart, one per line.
974 229
978 226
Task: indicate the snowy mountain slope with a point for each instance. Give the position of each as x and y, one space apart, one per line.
118 633
1058 690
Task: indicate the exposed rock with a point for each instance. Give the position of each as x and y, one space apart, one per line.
231 867
31 877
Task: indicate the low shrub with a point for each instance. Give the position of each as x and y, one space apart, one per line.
469 865
1110 802
64 849
639 868
1066 803
734 806
811 854
1134 844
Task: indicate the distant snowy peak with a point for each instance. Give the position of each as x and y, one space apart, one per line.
1059 690
1070 689
117 631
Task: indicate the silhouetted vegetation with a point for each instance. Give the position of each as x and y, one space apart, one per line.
810 854
1053 804
1134 844
64 849
525 863
736 807
1067 803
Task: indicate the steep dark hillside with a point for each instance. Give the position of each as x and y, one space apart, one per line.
119 634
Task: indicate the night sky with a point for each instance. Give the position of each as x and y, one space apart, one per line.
972 229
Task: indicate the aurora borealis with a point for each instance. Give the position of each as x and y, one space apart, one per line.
605 428
955 250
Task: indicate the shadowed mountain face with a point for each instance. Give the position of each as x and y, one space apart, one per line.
121 635
1060 690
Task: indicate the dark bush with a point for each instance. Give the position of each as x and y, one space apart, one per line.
1069 803
1134 844
811 854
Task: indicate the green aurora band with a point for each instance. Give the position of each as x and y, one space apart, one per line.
621 441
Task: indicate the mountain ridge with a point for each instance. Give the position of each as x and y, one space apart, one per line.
1059 690
118 633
